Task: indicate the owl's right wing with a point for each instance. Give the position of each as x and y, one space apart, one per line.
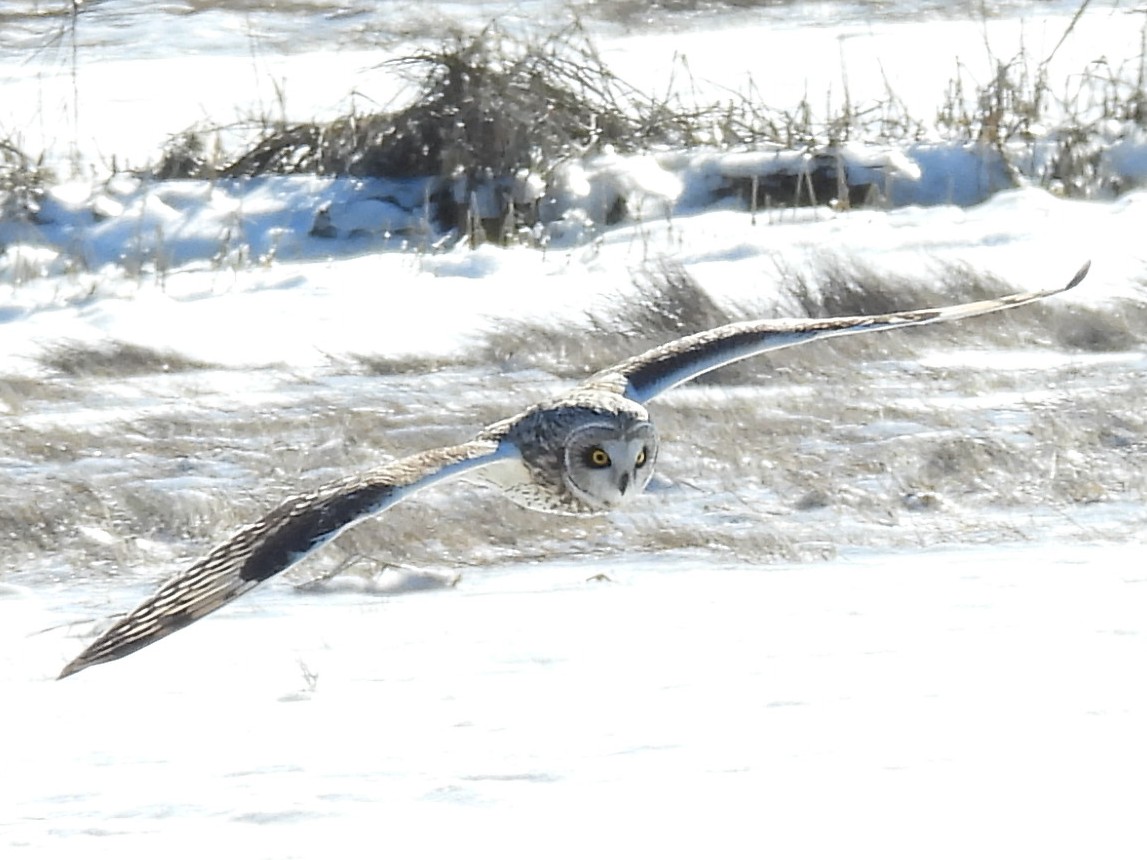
651 373
274 543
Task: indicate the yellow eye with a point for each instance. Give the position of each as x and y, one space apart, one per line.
641 458
598 457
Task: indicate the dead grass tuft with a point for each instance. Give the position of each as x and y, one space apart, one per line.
1088 329
962 465
113 359
382 365
19 393
850 287
666 303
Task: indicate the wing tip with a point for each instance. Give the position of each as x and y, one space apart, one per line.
1079 276
93 655
77 665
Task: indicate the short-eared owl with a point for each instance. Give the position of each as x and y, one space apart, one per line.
581 453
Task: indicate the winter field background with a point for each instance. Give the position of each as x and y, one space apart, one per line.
883 598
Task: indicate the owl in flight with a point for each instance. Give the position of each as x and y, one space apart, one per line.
584 452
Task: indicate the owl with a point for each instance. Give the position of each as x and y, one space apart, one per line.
587 451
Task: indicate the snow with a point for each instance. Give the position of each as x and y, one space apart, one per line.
952 700
984 707
323 307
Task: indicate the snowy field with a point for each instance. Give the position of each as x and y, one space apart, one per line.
941 703
882 599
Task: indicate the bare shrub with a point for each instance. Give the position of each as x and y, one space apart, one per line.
23 182
188 156
1057 141
492 109
486 104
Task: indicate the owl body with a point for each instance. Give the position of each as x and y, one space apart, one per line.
582 453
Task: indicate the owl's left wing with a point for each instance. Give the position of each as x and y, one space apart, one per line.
274 543
645 376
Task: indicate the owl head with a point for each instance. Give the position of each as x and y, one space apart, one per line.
609 460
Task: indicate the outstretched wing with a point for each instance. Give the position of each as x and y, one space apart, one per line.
262 549
647 375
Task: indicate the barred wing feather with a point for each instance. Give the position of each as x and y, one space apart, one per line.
653 372
275 543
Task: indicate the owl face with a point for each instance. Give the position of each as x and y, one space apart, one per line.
608 462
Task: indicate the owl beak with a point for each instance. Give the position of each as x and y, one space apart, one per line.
623 483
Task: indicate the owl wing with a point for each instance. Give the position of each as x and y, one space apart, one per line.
274 543
651 373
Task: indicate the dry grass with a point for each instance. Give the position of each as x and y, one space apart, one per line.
21 393
384 365
490 106
859 454
1086 329
668 303
112 359
815 449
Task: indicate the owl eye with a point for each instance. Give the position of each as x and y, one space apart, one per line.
642 456
598 457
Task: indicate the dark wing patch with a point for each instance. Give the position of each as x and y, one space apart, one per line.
661 368
276 542
304 523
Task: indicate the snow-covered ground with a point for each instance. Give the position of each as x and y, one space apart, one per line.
946 703
883 602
